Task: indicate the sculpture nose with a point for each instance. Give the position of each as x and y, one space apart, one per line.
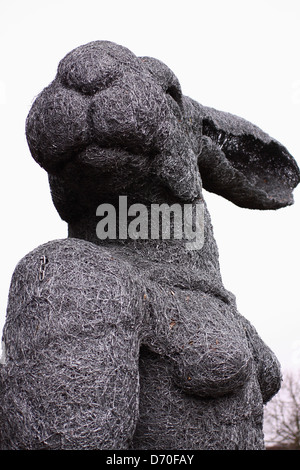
95 66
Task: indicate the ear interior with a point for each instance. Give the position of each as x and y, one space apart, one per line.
243 164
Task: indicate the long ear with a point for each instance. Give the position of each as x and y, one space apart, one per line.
243 164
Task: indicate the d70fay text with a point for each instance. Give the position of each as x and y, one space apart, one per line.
171 459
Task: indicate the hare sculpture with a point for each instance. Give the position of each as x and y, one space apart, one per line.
127 339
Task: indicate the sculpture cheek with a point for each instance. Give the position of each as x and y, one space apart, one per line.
57 126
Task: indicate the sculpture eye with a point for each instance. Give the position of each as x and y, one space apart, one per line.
175 93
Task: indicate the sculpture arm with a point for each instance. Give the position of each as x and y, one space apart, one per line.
267 365
72 346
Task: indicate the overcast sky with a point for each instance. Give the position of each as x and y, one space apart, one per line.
236 56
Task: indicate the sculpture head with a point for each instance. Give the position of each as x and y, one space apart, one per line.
113 123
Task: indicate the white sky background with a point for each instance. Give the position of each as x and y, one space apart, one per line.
237 56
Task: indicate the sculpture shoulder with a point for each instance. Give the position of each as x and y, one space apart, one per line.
71 256
76 276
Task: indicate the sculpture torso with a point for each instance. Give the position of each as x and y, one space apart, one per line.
195 362
179 325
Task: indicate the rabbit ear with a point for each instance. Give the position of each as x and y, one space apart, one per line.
243 164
